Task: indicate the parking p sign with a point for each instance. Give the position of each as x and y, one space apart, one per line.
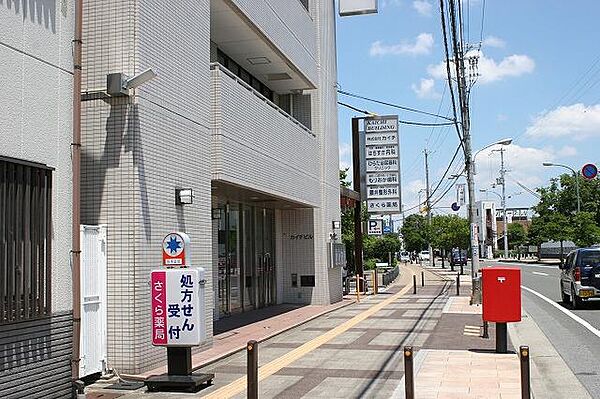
177 307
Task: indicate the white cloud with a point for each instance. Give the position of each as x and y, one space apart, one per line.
422 45
493 41
346 158
489 70
576 121
567 151
524 165
423 7
426 89
387 3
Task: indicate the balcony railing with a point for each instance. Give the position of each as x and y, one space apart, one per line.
217 66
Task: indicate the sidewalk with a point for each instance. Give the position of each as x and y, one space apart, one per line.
455 362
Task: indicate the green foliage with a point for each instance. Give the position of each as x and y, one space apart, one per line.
585 230
379 247
449 231
415 233
517 235
343 177
557 212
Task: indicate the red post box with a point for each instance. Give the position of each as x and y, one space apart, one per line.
501 292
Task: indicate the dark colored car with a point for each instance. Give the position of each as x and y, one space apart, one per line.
458 257
580 276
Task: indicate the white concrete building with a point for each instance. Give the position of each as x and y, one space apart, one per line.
244 112
486 224
36 77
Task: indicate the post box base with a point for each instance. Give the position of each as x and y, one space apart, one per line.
501 338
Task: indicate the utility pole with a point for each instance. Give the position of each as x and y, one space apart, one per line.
428 204
504 217
463 90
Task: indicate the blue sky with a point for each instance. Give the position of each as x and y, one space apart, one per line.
539 83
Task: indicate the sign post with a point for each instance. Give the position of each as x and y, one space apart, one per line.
178 315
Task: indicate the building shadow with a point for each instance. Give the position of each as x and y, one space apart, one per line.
243 319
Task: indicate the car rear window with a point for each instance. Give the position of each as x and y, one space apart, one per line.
590 258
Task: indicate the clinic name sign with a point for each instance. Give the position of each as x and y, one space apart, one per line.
382 165
175 307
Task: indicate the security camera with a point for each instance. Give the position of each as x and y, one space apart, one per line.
139 79
117 84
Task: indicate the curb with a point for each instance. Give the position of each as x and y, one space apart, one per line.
557 379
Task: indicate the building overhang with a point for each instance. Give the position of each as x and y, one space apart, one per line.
237 37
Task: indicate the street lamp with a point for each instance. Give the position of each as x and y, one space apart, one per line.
504 219
575 174
506 141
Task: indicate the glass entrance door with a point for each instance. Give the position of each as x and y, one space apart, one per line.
246 258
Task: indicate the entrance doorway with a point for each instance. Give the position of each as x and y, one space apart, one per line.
246 265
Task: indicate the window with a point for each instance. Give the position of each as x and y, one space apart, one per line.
241 73
25 240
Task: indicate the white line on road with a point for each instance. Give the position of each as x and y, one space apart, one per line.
572 315
540 273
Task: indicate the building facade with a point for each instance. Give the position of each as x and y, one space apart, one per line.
243 111
36 76
488 231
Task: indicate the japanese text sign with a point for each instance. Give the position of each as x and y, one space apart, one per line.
177 307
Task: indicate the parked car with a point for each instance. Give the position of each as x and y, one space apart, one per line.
580 276
404 256
424 256
458 257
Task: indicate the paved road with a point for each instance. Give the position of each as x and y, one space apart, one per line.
579 346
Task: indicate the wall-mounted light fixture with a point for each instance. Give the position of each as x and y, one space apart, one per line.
184 196
216 213
336 224
118 84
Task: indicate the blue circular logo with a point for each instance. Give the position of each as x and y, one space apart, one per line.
455 207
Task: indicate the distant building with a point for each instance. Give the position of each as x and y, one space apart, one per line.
485 212
521 216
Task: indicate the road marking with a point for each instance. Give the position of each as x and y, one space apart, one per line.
238 386
572 315
473 331
540 273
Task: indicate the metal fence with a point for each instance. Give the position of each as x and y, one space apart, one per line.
390 275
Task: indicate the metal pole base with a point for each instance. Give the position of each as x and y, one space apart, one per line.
501 338
179 377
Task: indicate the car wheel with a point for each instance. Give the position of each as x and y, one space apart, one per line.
576 302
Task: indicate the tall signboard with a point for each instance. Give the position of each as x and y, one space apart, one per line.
381 165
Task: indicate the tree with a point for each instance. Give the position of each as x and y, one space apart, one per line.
414 233
585 230
449 231
517 235
558 219
344 177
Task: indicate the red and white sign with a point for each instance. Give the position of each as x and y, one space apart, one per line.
177 307
175 249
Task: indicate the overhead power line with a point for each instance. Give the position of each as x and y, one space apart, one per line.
447 54
402 107
413 123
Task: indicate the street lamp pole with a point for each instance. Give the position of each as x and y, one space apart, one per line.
575 174
503 182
